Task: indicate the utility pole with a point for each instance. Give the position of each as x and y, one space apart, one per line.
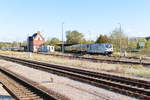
120 37
28 42
62 37
90 36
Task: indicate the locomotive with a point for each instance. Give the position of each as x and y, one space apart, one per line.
97 48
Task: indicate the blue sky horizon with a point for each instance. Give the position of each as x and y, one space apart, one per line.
20 18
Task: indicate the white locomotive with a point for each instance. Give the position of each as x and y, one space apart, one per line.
98 48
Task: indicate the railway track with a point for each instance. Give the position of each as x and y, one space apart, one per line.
21 88
111 61
124 85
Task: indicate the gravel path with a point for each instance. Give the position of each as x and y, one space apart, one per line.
73 89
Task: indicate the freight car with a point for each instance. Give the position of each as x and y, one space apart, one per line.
98 48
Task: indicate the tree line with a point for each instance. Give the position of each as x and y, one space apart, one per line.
117 37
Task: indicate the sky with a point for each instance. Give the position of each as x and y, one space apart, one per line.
21 18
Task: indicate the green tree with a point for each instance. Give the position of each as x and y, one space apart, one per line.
74 37
102 39
147 44
87 41
55 41
5 44
131 46
119 39
52 41
147 38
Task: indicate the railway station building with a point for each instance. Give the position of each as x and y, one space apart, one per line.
34 42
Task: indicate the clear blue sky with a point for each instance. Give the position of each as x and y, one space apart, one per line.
18 18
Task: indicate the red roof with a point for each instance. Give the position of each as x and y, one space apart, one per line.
36 34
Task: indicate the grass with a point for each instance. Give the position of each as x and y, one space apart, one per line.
133 70
139 71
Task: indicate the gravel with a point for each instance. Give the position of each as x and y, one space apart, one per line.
73 89
138 71
3 91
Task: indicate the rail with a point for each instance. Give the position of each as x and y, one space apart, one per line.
21 88
112 61
133 87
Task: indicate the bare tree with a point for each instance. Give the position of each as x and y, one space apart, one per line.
119 39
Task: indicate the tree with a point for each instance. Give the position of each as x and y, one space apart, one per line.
5 44
147 38
88 41
52 41
147 44
119 39
55 41
102 39
74 37
15 44
132 46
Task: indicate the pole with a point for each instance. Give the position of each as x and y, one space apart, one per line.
62 37
28 42
120 38
90 36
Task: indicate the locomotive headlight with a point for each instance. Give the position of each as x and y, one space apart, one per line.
107 49
110 49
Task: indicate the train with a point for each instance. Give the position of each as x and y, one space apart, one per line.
97 48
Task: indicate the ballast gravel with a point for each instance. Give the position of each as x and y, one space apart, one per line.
74 90
3 92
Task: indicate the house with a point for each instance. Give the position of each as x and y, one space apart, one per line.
34 42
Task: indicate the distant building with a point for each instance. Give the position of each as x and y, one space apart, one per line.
34 42
47 48
141 44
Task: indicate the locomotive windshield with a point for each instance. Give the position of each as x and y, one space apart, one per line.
108 46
